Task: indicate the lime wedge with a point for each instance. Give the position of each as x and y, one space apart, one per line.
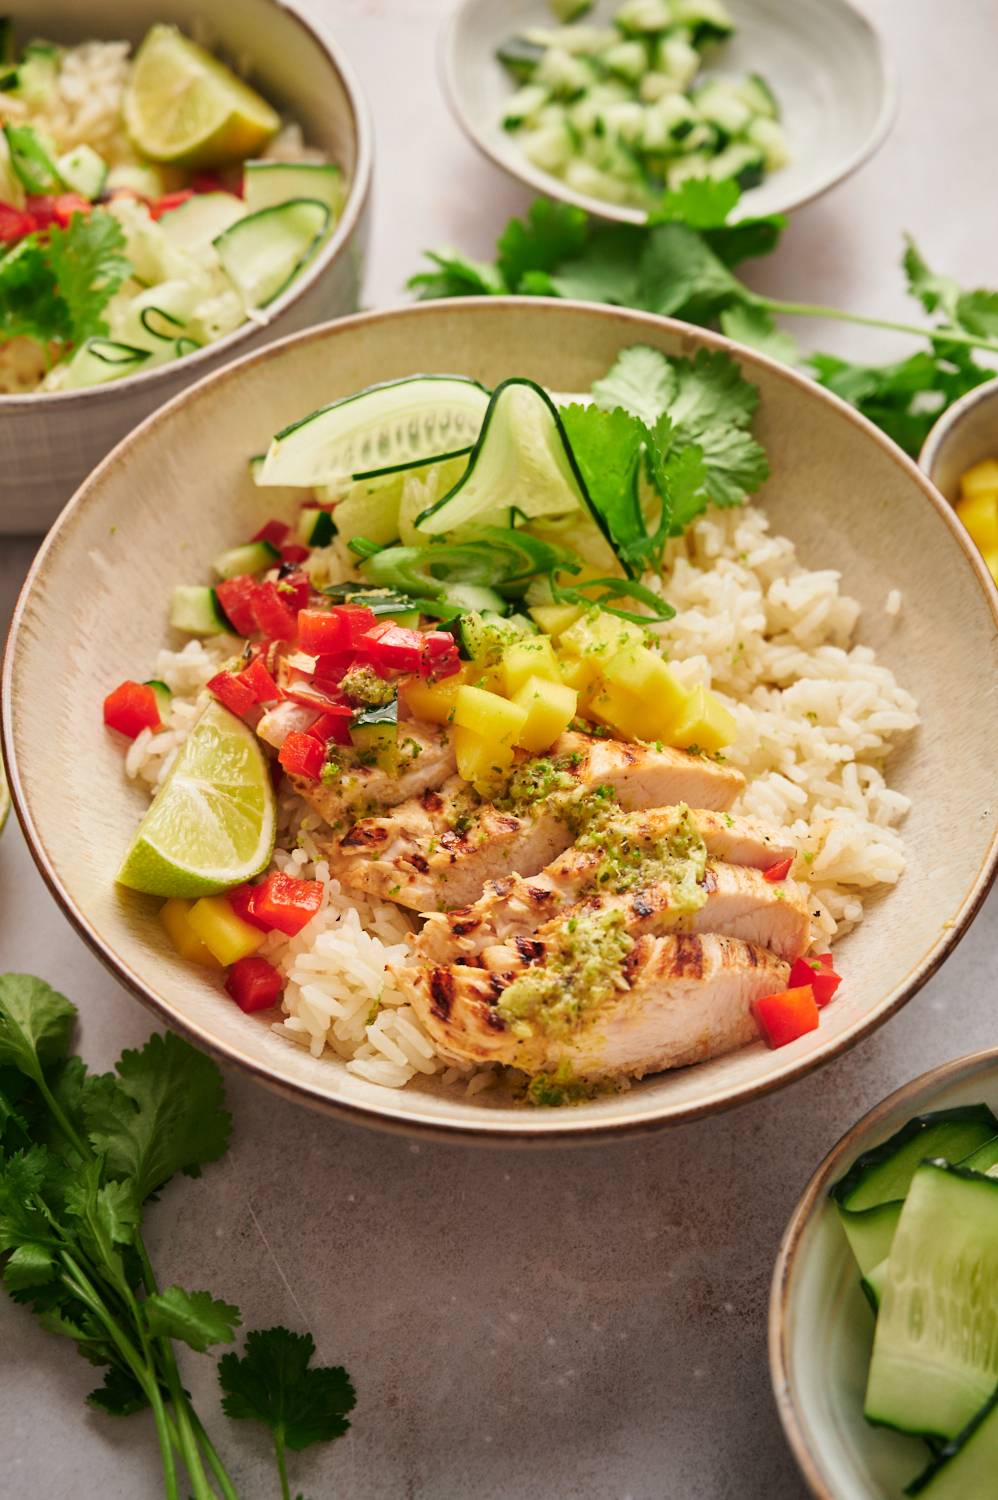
184 106
211 824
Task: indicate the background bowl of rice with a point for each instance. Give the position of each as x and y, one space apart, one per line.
52 440
845 616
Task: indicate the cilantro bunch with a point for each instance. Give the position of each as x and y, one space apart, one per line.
55 284
681 264
80 1157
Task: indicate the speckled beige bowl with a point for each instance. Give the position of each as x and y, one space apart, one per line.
177 491
820 1324
50 442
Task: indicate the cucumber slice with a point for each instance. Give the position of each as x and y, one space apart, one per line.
935 1354
263 252
37 72
269 183
520 57
984 1159
83 171
483 637
884 1174
476 597
315 526
522 458
31 160
196 610
371 510
254 557
398 425
374 735
870 1232
162 694
965 1469
873 1284
148 181
100 360
195 224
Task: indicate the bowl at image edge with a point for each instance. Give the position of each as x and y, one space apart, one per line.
965 433
148 519
49 441
820 1324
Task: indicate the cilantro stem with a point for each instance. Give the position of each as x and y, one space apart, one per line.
837 315
214 1462
281 1465
57 1113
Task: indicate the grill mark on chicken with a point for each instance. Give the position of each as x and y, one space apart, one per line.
365 835
442 990
431 800
687 958
418 862
529 949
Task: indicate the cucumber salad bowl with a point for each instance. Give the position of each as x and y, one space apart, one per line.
526 742
206 168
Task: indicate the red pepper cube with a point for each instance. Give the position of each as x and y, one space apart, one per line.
260 683
394 647
274 616
273 532
441 657
778 872
294 552
254 984
287 904
15 223
295 588
785 1016
131 708
236 596
336 631
330 726
242 898
230 690
302 755
162 205
817 973
65 205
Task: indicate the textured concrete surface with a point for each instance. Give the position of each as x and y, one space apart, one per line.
570 1326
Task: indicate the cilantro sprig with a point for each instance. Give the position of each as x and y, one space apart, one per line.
55 284
80 1157
681 264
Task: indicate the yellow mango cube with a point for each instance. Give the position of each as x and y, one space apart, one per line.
982 477
496 719
479 760
222 930
707 723
643 673
599 634
550 709
579 672
532 657
433 702
979 513
173 915
556 618
619 710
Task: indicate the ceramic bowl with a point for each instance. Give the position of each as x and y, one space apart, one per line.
823 59
820 1325
177 491
965 433
52 441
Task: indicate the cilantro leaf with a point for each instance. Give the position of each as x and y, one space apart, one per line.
456 276
273 1383
936 293
679 474
735 464
35 1024
607 446
977 312
120 1395
680 276
712 391
757 328
163 1113
30 305
31 1264
197 1318
89 265
641 380
552 232
605 271
701 202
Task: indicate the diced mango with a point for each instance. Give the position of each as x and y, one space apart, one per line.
532 657
982 477
706 724
433 702
579 672
556 618
619 710
550 709
979 513
496 719
173 915
599 634
222 931
479 760
643 673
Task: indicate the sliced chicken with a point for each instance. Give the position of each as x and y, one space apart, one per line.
513 905
426 762
438 851
673 1001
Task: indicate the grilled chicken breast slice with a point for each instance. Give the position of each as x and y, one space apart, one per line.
439 850
681 999
426 762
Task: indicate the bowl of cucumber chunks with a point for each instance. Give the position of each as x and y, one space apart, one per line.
884 1307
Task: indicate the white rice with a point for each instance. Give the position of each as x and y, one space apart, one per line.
817 718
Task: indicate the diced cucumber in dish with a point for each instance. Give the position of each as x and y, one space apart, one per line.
935 1353
100 360
477 598
316 527
640 16
965 1468
196 223
520 57
263 252
759 96
708 20
196 610
31 159
162 694
870 1232
269 183
83 171
524 106
253 557
396 425
482 636
374 734
883 1174
37 72
569 10
146 180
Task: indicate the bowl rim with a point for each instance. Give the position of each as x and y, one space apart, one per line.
48 402
491 1128
918 1094
948 421
551 186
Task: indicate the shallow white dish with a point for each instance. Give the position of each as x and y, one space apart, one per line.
823 59
820 1325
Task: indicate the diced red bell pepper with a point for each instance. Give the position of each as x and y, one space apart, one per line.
287 904
295 552
819 974
393 646
329 726
131 708
295 588
272 531
209 182
236 596
441 656
302 755
322 696
785 1016
326 632
168 201
254 984
15 223
232 691
274 617
778 872
58 209
330 667
259 681
241 899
